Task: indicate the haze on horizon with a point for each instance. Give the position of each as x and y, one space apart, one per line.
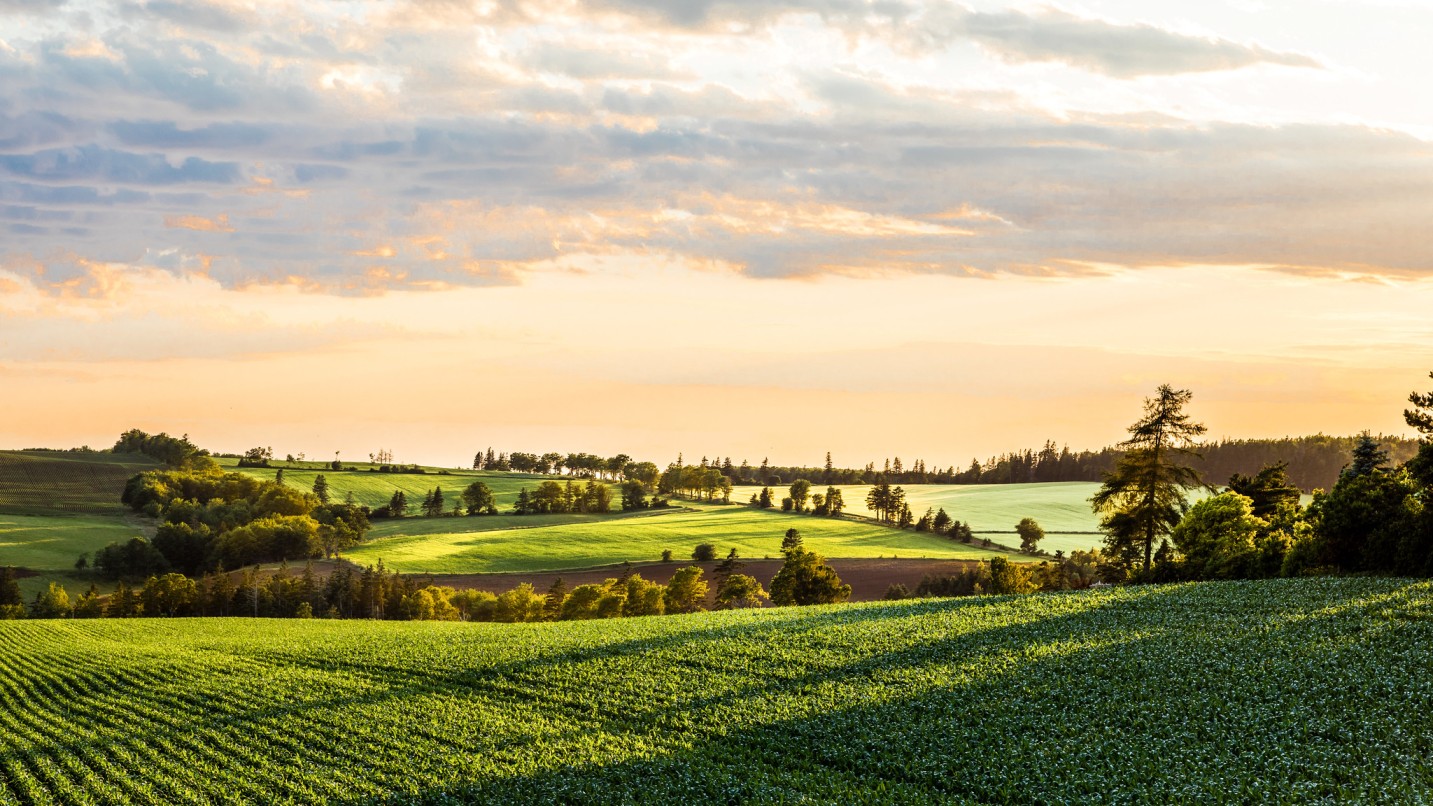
928 229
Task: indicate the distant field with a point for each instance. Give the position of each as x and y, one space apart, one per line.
451 546
50 544
1058 506
1279 691
375 489
61 481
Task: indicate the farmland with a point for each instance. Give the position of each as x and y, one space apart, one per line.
1300 690
373 489
47 482
464 546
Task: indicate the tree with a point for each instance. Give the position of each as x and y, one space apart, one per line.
433 503
479 499
1269 490
634 495
398 504
764 500
52 602
686 591
942 522
556 597
1143 497
1217 535
1368 457
806 579
320 488
800 493
704 552
739 590
1008 577
791 541
834 502
1030 534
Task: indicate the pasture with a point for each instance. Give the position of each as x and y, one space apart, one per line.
374 489
469 546
996 508
1304 690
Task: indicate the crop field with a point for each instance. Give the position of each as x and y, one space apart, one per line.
47 482
1312 690
419 546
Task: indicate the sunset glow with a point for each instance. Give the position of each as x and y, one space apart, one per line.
935 230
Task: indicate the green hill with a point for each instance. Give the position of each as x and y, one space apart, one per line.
50 482
470 545
1309 690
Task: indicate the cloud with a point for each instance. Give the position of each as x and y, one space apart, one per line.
1123 51
219 223
465 145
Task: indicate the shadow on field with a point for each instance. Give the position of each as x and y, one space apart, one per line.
1279 690
1164 695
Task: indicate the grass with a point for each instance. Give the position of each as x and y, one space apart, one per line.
465 546
49 545
47 482
375 489
1310 690
994 509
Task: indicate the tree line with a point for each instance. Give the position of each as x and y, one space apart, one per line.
1376 518
377 593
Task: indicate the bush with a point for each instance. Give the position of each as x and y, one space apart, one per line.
704 552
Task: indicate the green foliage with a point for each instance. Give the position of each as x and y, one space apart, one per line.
686 591
806 579
704 552
53 602
1217 537
739 591
176 452
1282 690
1030 534
479 499
1143 497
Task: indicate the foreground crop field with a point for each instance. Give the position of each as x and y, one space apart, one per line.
1296 690
467 547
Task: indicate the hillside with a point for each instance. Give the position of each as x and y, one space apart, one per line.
1302 690
53 482
470 545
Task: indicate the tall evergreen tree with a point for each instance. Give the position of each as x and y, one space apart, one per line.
1143 497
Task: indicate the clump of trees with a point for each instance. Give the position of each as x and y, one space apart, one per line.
210 519
1376 518
176 452
551 496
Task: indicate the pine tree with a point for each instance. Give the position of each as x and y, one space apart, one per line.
1142 498
320 488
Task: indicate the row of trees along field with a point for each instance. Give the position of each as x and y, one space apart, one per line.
376 593
1377 518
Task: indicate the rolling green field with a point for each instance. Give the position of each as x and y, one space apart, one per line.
47 482
468 546
375 489
1309 690
57 505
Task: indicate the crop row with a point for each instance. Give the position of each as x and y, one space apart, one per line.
1283 690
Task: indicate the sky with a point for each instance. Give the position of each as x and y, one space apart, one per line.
747 228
